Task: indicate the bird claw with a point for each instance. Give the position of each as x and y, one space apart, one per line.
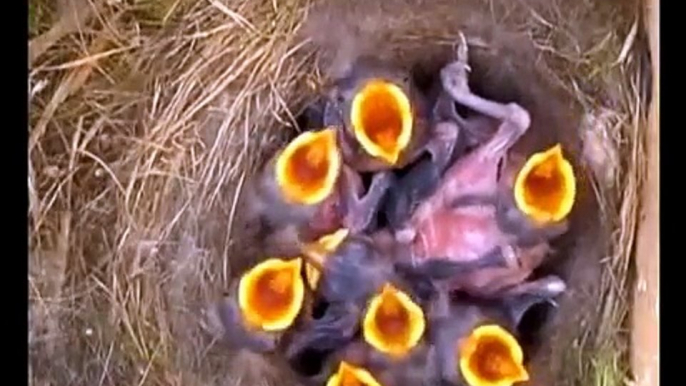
463 50
553 303
455 79
546 287
455 75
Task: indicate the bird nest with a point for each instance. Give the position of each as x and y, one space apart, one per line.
147 117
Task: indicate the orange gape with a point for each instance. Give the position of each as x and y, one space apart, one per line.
393 323
349 375
382 120
545 187
308 167
271 294
321 248
491 356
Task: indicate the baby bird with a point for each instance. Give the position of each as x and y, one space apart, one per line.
385 121
391 345
484 209
306 191
476 339
350 274
263 304
361 286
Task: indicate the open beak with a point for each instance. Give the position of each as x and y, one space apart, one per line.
393 323
322 248
349 375
308 167
382 119
271 294
491 356
545 187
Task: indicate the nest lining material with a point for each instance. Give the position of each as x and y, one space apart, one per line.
138 153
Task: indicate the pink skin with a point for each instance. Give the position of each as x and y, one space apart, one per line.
459 221
442 227
465 233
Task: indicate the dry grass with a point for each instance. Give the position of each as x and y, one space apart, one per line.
124 170
616 68
614 131
146 118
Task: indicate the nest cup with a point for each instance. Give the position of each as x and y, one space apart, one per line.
553 122
135 177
